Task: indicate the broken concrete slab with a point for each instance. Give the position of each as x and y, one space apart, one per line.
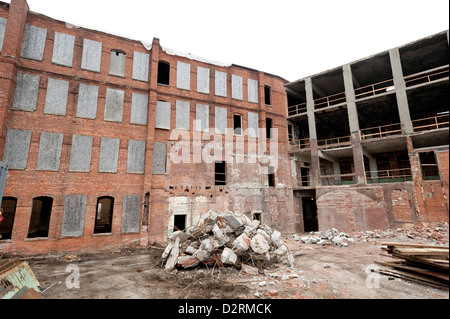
259 244
246 269
228 257
172 260
187 261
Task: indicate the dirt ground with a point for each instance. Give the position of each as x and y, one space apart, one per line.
320 272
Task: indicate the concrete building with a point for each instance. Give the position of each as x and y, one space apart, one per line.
110 142
369 140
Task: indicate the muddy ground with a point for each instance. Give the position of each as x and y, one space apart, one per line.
320 272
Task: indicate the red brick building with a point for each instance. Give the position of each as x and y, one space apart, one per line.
88 122
110 142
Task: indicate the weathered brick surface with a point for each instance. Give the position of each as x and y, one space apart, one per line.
246 191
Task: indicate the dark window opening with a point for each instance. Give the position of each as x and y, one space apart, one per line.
163 73
8 210
179 222
40 217
219 173
257 216
237 124
103 219
291 133
304 171
429 166
268 128
267 95
271 176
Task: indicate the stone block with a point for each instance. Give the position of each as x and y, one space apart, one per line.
228 256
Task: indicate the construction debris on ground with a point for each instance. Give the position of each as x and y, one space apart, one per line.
225 239
329 237
426 264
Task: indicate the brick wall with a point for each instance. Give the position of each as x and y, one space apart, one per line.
246 188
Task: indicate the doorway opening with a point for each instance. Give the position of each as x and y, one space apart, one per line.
179 222
310 221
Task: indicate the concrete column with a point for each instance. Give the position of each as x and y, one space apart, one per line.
337 171
400 91
315 181
310 109
350 96
358 159
373 169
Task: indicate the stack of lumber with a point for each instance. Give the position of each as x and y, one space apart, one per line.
426 264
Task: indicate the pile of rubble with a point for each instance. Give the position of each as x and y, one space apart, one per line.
225 239
329 237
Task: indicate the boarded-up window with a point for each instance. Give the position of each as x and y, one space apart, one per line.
117 63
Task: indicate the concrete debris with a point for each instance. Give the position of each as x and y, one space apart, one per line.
226 239
329 237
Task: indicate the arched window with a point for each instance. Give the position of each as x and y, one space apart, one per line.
8 209
163 73
40 217
103 219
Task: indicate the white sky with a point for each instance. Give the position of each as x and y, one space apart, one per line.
292 39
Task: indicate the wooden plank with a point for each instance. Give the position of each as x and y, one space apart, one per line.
402 244
418 270
421 252
413 279
424 262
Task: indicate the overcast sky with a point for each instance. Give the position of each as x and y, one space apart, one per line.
292 39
